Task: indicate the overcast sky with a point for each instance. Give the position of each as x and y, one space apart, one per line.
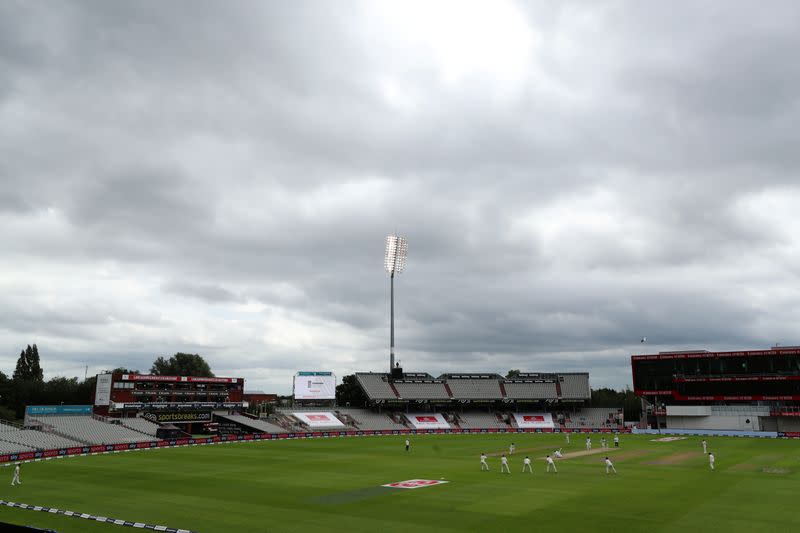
219 177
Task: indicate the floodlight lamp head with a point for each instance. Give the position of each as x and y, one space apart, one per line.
396 253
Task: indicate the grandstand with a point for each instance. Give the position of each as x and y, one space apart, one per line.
480 421
475 386
755 390
376 386
141 425
549 387
253 424
89 430
367 420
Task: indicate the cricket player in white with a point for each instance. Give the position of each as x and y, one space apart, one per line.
504 465
711 460
567 438
526 465
16 480
484 464
511 449
550 463
610 465
588 443
603 442
558 454
616 441
408 445
705 446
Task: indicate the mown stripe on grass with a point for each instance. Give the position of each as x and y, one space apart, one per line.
86 516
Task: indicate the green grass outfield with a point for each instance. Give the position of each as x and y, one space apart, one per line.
318 485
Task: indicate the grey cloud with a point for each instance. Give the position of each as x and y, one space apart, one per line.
243 163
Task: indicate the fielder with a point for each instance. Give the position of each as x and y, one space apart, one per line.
588 443
711 460
550 463
526 465
567 434
610 465
616 441
705 446
484 464
15 480
603 442
504 465
408 445
511 449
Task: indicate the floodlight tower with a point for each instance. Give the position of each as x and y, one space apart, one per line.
395 262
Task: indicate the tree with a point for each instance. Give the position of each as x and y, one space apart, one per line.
123 370
28 368
513 374
350 392
182 364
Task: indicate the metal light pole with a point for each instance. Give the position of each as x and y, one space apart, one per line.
395 262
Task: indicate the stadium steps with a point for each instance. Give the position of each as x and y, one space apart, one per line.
394 389
55 431
447 388
558 387
503 390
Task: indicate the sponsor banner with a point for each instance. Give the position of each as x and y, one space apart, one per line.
186 379
162 417
314 386
178 405
427 421
318 419
415 483
34 410
102 391
534 420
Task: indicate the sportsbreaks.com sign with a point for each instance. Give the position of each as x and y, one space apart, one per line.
178 416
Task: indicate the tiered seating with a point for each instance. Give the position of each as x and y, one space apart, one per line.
141 425
27 439
422 390
12 447
476 389
592 417
376 386
530 390
480 421
575 386
89 430
370 421
260 426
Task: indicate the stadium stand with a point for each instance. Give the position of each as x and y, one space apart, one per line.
368 420
479 421
592 417
575 386
89 430
425 390
520 390
260 426
141 425
475 388
376 386
27 439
